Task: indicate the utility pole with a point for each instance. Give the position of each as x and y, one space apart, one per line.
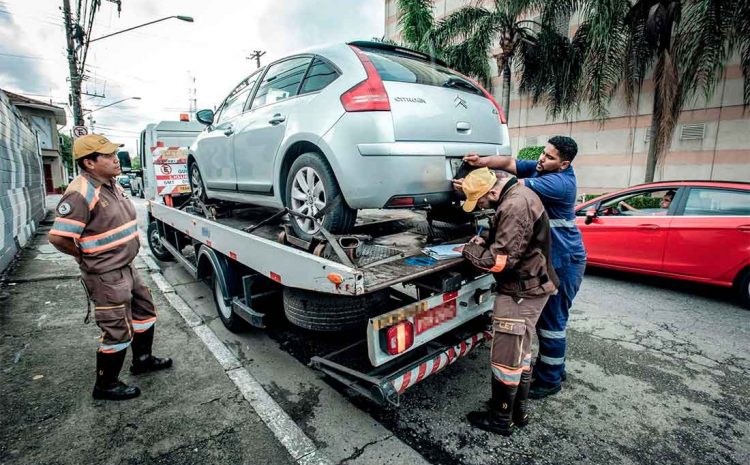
256 56
75 77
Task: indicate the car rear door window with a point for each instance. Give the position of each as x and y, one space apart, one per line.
717 202
281 81
318 77
396 67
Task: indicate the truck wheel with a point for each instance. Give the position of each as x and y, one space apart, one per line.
154 243
327 313
230 319
310 187
196 182
743 289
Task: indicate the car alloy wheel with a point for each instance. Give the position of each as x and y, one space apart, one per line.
196 183
308 198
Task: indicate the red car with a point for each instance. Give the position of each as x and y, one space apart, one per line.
692 230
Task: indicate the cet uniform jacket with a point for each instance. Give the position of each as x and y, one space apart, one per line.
517 250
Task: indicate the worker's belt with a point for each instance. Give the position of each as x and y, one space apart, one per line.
519 284
560 223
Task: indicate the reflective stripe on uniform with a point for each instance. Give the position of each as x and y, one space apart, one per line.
552 360
140 326
505 375
526 360
552 334
112 348
67 228
559 223
110 239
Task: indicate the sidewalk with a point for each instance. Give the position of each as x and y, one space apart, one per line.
191 414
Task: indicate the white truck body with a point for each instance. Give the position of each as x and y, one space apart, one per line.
162 134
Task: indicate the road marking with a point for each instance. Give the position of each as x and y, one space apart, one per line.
295 441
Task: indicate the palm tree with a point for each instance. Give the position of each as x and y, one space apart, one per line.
472 31
684 44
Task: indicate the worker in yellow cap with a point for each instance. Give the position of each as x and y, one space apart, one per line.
517 252
96 224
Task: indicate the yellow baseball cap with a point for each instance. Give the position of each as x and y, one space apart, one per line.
91 143
475 185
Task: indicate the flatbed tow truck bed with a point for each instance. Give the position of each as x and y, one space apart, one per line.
434 314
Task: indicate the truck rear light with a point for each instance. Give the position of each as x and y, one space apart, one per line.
401 202
398 338
368 95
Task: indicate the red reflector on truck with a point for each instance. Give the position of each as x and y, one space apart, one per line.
401 202
275 277
399 338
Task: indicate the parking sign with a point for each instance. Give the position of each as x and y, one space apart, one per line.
80 131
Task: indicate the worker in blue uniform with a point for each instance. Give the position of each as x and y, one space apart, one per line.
552 178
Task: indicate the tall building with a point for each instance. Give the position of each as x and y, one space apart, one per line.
711 140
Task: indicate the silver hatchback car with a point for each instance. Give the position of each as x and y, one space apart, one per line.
352 126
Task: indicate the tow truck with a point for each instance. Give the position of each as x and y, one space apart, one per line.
413 314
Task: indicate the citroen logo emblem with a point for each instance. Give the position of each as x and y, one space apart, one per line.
459 102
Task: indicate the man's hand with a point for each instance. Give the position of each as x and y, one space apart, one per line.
477 240
475 160
458 184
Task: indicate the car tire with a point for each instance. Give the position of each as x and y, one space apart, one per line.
154 243
197 187
339 219
322 312
743 289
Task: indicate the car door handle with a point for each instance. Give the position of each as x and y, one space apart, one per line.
278 118
650 227
744 228
229 131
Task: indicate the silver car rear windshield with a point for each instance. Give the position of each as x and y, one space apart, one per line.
400 68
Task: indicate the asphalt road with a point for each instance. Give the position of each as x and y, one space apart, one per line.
658 371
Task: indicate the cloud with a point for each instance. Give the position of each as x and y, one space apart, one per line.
20 66
156 62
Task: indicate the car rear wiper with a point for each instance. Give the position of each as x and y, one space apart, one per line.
460 84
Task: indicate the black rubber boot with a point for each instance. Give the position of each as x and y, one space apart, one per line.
540 389
498 419
143 361
521 405
108 385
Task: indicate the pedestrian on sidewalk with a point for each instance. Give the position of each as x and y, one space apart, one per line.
552 178
517 252
96 224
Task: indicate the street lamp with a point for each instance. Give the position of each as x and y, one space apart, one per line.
113 103
188 19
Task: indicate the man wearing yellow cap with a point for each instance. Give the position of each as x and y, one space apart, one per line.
96 224
517 253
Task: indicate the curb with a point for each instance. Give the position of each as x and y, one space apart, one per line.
300 447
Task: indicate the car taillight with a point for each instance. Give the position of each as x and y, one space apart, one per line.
368 95
399 338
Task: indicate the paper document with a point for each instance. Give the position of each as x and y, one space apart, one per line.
444 251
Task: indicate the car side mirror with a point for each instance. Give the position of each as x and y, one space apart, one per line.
205 116
590 215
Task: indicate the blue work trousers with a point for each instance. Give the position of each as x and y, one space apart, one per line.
551 326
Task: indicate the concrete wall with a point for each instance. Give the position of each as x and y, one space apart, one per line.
612 155
21 182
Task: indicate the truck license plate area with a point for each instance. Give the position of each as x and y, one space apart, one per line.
435 316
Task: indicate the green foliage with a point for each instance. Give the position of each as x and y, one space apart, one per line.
135 163
640 202
66 152
530 153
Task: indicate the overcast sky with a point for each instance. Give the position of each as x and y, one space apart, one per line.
157 62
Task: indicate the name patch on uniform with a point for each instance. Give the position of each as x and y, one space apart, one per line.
63 209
